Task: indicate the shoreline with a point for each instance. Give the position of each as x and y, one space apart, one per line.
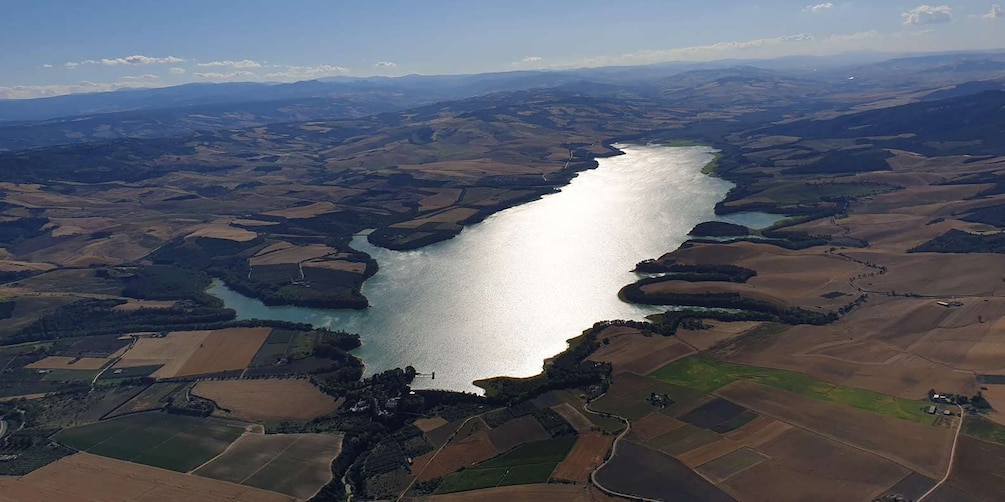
616 151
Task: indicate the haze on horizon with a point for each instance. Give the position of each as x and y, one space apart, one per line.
55 47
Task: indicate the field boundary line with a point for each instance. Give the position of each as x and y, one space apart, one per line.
229 446
271 460
614 451
952 456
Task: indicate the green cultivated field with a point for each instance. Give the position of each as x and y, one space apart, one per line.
171 442
706 374
527 464
984 429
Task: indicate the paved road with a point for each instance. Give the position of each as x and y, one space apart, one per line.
952 456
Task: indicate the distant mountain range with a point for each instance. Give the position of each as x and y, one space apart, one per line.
152 113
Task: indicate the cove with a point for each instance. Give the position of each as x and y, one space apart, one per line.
506 294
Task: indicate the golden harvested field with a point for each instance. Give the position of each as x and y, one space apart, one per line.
576 419
89 478
267 400
428 424
470 450
223 231
186 353
805 466
133 305
294 254
630 350
354 267
225 350
294 464
69 363
588 453
552 493
923 448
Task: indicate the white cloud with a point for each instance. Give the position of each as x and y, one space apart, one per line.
135 59
243 64
234 75
176 71
862 35
306 72
144 79
820 7
532 59
928 14
47 65
995 13
385 64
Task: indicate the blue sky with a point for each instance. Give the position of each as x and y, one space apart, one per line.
52 47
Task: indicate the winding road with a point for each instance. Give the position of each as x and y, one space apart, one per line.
614 451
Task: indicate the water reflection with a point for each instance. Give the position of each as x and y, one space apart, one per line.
508 292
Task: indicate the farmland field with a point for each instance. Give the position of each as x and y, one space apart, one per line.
462 453
726 466
588 452
629 397
295 464
707 374
637 470
921 447
516 432
267 400
87 478
168 441
549 492
188 353
527 464
793 471
152 398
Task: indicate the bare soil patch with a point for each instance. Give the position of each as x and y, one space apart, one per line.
643 472
267 400
225 350
89 478
629 350
588 452
653 426
978 469
550 492
429 424
805 466
718 332
468 451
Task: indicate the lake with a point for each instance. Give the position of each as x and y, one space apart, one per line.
508 292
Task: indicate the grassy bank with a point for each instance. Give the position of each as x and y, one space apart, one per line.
707 374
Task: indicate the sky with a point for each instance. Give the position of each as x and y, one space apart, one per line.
52 47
